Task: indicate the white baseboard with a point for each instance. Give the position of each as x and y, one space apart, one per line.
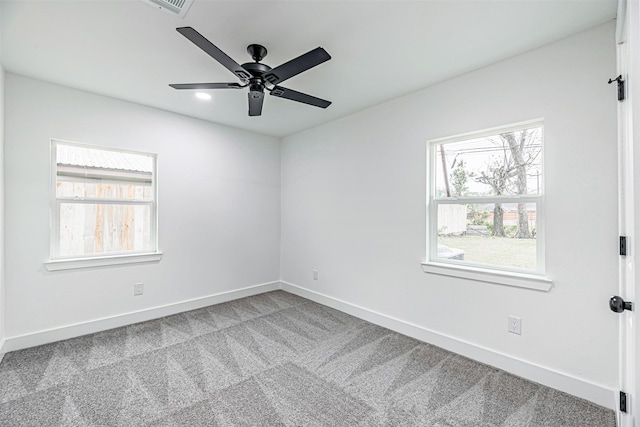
2 351
93 326
595 393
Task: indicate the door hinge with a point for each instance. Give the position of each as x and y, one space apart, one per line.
623 245
620 87
623 401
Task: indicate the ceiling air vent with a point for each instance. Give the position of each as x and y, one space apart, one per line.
175 7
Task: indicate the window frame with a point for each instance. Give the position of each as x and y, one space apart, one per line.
504 275
56 261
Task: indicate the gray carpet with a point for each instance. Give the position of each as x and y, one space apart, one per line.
270 360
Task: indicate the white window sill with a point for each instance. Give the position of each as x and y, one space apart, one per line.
507 278
73 263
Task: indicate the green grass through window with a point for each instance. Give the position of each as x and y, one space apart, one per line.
499 251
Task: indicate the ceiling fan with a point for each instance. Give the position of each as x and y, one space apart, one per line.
256 75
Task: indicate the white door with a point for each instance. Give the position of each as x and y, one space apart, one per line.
628 39
633 117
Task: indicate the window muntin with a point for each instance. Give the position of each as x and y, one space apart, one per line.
104 202
485 199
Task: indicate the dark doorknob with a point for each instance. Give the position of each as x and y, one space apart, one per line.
619 305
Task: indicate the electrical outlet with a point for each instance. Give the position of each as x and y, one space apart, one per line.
138 288
316 274
515 325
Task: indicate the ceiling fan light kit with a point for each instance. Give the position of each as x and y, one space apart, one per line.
256 75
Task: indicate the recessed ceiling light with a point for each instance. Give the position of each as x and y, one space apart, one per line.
204 96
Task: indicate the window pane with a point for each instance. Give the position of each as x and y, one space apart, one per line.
87 229
501 235
503 164
100 190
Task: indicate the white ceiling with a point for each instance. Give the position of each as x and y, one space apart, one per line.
380 50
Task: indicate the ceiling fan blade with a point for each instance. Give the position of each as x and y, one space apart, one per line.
213 51
207 86
297 65
256 98
293 95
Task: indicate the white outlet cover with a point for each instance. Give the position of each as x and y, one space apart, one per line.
138 288
515 325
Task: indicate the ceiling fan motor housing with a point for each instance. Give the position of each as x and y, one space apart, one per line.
256 69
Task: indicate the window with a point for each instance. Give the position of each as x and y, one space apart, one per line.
485 197
104 203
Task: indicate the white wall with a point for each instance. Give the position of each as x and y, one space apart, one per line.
353 206
219 215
